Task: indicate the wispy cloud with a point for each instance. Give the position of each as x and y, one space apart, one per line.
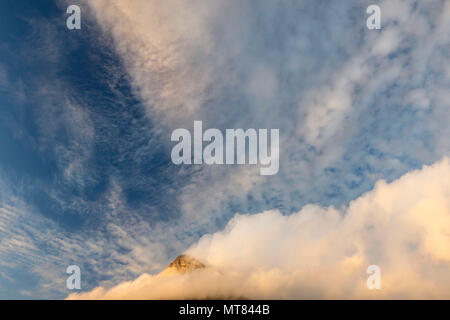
353 106
322 252
40 249
345 97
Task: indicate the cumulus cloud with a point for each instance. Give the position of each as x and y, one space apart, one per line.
402 226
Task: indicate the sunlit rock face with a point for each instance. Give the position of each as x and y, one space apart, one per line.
183 264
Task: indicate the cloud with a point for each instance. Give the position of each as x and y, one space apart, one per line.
403 227
353 106
339 93
160 50
38 249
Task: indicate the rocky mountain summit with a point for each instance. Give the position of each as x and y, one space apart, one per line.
183 264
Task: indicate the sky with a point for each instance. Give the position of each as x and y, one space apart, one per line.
86 176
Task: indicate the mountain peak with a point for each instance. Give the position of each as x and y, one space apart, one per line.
183 264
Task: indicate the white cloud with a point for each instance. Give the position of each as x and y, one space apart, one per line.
161 44
40 248
340 96
403 226
334 90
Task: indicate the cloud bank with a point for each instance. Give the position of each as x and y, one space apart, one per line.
403 227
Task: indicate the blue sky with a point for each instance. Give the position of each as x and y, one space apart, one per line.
86 116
